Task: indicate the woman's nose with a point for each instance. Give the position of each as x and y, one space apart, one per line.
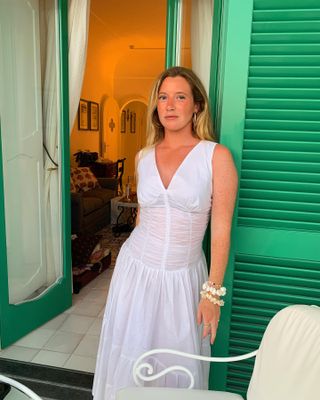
170 104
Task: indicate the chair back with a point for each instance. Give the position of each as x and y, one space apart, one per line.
287 366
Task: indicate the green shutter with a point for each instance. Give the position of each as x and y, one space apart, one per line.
263 286
280 175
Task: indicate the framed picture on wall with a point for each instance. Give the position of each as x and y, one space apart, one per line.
93 116
132 122
83 115
123 121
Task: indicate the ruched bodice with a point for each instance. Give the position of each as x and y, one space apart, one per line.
154 292
173 220
168 238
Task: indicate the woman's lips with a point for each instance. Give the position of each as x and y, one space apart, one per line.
171 117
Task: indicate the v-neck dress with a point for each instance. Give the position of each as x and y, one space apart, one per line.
154 292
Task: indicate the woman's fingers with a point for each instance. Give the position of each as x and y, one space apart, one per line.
210 328
213 333
206 329
209 314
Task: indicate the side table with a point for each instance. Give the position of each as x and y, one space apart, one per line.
125 204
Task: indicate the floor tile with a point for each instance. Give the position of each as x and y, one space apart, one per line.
103 284
52 358
76 298
81 363
36 339
97 296
77 323
83 291
101 313
89 309
88 346
56 322
63 342
95 328
19 353
70 310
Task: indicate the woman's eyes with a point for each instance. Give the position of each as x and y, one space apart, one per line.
163 97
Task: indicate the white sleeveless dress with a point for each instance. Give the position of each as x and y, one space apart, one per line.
154 293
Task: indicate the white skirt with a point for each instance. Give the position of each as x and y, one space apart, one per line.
150 308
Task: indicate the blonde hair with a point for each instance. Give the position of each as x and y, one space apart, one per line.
202 128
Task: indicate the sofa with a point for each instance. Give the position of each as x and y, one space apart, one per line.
90 200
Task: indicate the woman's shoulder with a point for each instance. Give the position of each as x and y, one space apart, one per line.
218 148
209 143
144 152
209 146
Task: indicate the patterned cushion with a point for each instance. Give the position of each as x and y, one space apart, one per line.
73 187
84 179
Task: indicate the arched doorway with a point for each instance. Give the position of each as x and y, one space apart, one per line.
132 133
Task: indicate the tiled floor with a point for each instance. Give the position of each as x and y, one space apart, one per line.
71 339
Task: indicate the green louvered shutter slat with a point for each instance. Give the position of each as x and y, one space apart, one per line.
280 173
281 138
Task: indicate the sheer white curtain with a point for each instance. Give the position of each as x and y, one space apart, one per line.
78 19
51 126
201 32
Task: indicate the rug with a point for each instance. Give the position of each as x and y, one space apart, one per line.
113 243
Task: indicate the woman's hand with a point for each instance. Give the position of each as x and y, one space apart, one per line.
209 315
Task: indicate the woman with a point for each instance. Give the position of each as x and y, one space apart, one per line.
160 295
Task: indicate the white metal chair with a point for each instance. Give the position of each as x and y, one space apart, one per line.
21 389
287 365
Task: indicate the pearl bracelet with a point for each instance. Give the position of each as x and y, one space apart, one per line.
210 291
213 300
211 288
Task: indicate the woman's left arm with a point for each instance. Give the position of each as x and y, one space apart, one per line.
225 184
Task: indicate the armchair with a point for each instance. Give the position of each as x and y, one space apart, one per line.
287 365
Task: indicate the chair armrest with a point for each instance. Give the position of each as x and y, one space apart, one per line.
22 388
77 210
139 365
109 183
77 200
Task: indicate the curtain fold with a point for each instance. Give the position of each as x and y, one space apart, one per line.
51 128
201 38
78 19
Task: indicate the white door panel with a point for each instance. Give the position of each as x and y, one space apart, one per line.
21 127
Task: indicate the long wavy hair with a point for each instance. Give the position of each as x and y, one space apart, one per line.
202 126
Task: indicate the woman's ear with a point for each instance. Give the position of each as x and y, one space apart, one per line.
196 107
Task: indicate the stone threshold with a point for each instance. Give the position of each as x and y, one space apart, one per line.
49 382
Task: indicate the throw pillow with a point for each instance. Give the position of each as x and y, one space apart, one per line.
84 179
73 187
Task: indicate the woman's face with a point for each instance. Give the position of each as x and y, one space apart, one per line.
175 104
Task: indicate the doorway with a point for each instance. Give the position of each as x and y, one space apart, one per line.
122 36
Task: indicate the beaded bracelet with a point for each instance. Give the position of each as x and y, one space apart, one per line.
210 290
213 289
213 300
